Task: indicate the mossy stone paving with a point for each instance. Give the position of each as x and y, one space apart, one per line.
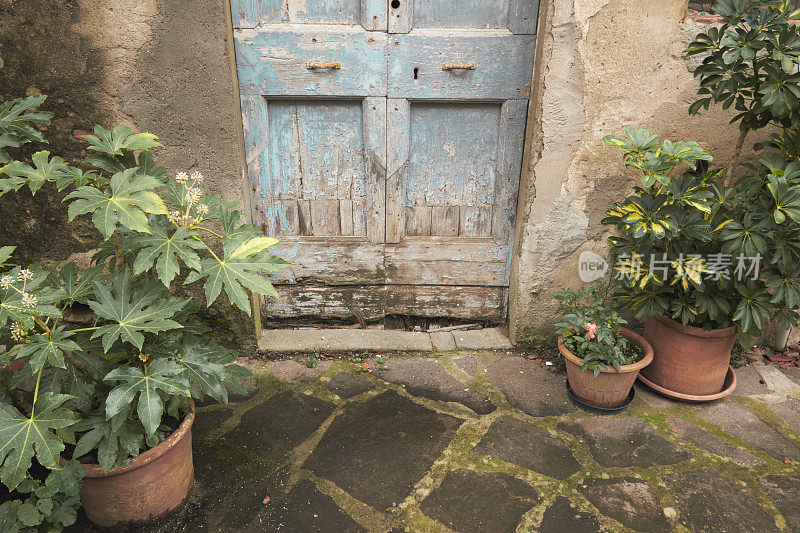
485 441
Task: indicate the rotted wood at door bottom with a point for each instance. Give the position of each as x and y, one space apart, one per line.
377 301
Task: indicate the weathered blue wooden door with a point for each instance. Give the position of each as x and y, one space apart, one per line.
384 145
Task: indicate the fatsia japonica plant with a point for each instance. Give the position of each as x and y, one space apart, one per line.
686 246
109 387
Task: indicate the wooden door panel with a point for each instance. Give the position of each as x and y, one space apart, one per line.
447 261
313 176
331 261
371 14
375 302
452 162
282 60
502 65
518 16
453 168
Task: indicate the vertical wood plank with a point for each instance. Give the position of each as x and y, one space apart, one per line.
304 217
418 221
476 221
398 114
400 18
244 13
325 217
255 124
509 161
374 14
369 205
346 217
287 221
523 17
445 220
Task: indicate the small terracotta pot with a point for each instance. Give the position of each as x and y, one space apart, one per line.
687 359
151 486
611 387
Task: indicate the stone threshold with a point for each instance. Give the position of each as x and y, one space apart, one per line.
359 340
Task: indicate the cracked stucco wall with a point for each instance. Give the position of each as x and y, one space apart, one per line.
161 66
601 64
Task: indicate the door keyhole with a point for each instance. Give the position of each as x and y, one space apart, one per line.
395 4
416 73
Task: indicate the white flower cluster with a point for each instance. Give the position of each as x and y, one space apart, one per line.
191 199
18 332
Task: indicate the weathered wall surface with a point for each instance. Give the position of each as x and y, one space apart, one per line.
156 65
602 64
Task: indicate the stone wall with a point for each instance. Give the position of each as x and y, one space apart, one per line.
162 66
601 64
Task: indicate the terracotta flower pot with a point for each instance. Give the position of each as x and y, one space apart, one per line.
611 387
149 487
688 360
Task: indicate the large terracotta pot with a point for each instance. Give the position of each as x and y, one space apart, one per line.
152 485
611 387
686 359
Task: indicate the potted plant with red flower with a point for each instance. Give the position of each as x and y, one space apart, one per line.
603 358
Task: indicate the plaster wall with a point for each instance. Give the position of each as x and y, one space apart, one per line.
601 64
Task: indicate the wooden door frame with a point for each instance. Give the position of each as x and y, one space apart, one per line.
531 147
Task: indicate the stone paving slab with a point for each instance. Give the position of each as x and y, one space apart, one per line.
561 516
334 448
689 432
483 502
740 422
627 500
483 339
427 378
526 445
620 442
710 501
378 449
346 385
784 492
532 389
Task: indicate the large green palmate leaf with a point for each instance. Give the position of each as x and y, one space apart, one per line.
42 349
22 437
5 254
16 119
209 365
160 375
129 199
245 257
132 312
164 248
121 138
115 439
73 381
44 170
77 285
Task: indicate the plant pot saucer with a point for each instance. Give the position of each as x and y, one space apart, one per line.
728 386
600 410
